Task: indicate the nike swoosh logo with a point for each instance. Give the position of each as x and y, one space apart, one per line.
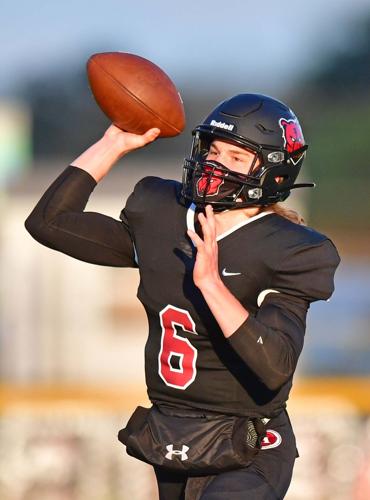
225 273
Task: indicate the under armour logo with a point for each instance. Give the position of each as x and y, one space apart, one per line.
181 452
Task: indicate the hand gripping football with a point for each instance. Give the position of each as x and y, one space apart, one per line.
135 94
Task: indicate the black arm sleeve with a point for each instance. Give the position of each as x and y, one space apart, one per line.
271 341
59 222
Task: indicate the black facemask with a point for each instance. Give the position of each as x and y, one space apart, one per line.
211 182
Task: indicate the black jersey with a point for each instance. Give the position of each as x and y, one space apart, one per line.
274 267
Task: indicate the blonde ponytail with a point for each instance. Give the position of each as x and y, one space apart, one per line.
286 212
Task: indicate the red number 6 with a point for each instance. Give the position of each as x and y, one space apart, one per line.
172 345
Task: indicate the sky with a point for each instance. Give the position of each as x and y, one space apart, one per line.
240 44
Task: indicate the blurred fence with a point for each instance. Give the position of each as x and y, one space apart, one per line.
59 443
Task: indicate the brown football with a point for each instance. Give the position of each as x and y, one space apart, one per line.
135 94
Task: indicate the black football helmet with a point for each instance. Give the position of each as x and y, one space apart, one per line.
260 124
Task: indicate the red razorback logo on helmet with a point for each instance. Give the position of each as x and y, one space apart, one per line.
209 184
293 137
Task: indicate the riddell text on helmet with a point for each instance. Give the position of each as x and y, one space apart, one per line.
226 126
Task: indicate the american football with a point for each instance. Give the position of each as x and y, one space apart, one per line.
135 94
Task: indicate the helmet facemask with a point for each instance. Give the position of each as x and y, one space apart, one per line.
209 181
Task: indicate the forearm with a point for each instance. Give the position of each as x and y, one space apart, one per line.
99 158
225 307
267 352
270 343
69 193
58 221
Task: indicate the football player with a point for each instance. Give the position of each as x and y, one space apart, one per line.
226 278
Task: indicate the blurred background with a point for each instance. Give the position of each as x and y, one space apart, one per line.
72 334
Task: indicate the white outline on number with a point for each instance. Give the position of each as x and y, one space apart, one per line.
182 339
179 355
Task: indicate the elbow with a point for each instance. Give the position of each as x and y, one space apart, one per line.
280 369
276 381
278 376
37 228
33 226
29 224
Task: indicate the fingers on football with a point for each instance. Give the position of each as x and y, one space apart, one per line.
151 134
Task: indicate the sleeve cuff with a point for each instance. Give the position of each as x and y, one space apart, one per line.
83 174
248 329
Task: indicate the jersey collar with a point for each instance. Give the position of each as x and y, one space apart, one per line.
190 219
